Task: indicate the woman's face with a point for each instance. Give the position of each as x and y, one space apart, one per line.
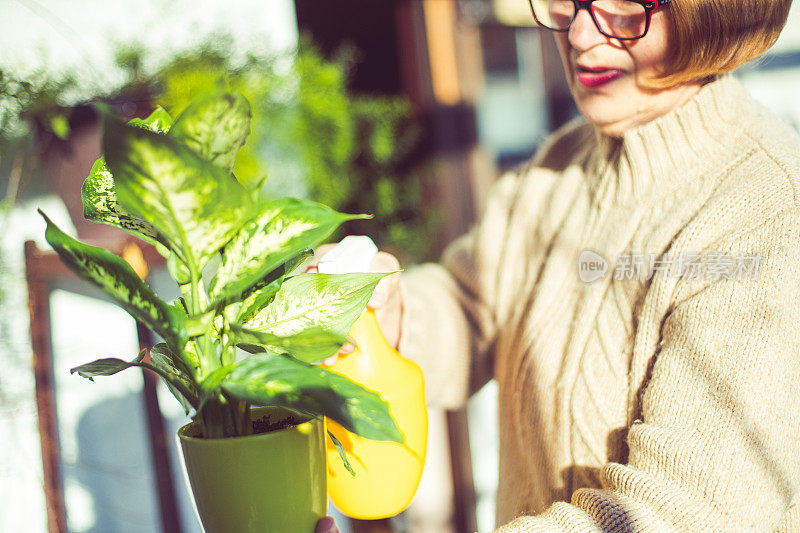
621 103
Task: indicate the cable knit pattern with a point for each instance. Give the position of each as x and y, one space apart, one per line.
660 402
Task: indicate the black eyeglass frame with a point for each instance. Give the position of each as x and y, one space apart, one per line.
648 5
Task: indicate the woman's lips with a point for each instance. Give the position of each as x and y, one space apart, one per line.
596 77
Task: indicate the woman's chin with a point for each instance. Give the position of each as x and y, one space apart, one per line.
600 113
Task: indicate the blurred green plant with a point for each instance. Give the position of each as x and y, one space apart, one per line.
312 138
23 104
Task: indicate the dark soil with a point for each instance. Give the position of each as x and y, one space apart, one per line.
265 425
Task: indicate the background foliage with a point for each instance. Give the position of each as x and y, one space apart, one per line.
310 136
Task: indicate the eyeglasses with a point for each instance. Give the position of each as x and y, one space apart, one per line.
618 19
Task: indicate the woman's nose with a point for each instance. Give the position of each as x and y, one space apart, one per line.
583 33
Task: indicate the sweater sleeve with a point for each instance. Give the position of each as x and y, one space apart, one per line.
449 323
718 444
450 309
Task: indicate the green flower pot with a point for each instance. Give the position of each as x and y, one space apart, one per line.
259 483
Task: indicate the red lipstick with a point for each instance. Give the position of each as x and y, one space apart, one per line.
596 76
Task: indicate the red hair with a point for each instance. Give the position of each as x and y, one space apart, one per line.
710 37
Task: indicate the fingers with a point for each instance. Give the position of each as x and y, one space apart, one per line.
388 286
326 525
383 262
390 317
318 254
346 349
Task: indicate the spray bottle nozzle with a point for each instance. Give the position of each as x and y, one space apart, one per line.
353 254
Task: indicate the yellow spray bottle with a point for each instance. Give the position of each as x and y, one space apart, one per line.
387 473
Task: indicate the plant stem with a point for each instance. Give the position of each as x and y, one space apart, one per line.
207 361
247 426
241 411
194 301
228 353
222 417
213 424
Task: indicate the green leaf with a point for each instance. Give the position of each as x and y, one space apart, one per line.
100 198
199 324
98 194
262 293
159 121
117 279
180 387
284 228
311 345
194 204
328 301
215 126
178 270
287 382
59 125
214 379
181 363
164 360
252 348
100 204
189 353
340 449
257 300
106 367
293 264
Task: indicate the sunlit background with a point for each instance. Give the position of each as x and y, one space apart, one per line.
407 109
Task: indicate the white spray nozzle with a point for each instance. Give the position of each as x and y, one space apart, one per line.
353 254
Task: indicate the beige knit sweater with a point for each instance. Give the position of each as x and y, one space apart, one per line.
646 403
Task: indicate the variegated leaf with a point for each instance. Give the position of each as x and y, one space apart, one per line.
342 455
159 121
284 228
164 359
257 300
106 367
178 269
215 126
261 294
287 382
327 301
100 198
117 279
311 345
194 204
100 204
182 389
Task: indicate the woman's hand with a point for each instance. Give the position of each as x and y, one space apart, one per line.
387 304
326 525
385 301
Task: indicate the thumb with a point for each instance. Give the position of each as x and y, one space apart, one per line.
326 525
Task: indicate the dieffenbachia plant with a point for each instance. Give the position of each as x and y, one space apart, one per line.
234 259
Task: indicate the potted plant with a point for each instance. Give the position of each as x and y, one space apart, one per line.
241 345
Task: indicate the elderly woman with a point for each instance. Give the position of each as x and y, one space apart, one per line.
635 288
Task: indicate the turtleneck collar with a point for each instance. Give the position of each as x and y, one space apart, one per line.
670 148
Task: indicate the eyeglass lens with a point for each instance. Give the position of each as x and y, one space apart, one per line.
617 18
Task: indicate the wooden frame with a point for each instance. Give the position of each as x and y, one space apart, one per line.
44 271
